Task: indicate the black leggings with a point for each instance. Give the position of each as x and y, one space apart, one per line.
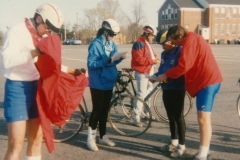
174 104
101 102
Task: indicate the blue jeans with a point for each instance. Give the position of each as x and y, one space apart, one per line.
144 86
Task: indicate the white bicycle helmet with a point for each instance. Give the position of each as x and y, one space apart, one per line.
150 29
110 24
51 15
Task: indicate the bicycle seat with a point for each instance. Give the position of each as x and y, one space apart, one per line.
127 69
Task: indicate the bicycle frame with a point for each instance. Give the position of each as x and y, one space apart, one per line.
152 92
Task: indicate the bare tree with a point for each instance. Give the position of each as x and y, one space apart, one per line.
138 17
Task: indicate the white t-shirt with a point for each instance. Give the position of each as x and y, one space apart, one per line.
16 62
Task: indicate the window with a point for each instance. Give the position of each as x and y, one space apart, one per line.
175 13
169 13
216 12
216 29
229 13
166 13
163 15
234 28
172 14
222 12
228 30
234 13
166 26
222 29
162 26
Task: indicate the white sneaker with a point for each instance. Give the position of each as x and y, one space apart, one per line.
168 147
138 124
178 152
91 144
106 141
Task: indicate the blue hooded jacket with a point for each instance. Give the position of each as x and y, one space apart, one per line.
169 60
102 75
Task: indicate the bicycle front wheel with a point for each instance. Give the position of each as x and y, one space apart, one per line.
160 108
238 106
122 116
71 128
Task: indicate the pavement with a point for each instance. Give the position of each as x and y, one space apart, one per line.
225 144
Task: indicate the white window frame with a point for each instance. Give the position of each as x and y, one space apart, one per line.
228 29
216 29
229 15
234 13
222 29
163 16
216 11
234 29
223 13
175 14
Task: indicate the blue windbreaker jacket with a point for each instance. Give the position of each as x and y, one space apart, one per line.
169 60
102 74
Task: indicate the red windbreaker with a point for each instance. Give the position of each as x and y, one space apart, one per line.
197 63
141 56
58 93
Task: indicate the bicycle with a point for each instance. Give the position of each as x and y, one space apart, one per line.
73 125
127 78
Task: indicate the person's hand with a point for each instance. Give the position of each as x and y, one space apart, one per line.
156 61
152 81
35 52
124 56
80 71
162 78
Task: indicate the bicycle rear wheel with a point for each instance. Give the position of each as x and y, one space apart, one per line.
121 116
70 129
238 106
160 108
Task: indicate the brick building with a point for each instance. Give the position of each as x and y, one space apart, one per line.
216 20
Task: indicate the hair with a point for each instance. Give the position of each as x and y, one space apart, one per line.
100 32
35 17
176 32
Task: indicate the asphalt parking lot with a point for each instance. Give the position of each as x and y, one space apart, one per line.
225 143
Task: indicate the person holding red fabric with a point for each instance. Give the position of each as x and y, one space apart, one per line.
17 64
202 79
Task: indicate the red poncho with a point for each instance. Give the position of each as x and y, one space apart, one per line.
59 93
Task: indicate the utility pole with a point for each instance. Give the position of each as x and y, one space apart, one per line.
77 24
65 30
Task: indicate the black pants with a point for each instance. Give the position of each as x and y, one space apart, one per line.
174 104
101 103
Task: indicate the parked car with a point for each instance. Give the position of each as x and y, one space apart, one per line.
66 41
75 41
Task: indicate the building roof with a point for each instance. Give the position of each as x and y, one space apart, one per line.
228 2
188 4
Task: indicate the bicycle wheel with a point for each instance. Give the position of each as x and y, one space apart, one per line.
160 108
121 116
238 106
70 129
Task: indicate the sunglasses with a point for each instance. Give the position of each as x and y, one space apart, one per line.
111 33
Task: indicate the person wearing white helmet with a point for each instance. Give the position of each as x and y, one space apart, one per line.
102 75
143 62
17 63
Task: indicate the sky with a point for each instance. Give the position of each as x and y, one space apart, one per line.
14 11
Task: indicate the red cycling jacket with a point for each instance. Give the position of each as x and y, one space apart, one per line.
58 93
197 63
141 56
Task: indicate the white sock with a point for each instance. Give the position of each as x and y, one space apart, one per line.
203 151
182 146
174 142
33 158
